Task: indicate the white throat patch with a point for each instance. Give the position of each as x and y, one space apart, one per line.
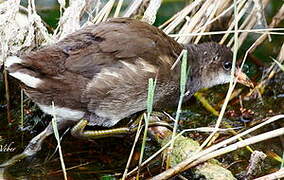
221 78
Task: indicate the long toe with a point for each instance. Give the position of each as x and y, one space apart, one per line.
14 160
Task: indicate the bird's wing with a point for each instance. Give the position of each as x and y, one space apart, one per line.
116 40
95 47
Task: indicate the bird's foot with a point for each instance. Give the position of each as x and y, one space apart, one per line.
79 131
33 147
13 160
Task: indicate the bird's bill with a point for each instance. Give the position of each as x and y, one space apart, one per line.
243 79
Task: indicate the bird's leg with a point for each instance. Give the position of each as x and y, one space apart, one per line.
79 129
79 132
34 145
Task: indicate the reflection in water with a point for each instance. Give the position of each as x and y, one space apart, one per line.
2 170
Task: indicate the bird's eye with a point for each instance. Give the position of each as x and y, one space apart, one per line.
227 65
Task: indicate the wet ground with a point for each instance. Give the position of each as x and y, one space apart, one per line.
106 158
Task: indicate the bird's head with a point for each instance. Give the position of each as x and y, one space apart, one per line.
210 65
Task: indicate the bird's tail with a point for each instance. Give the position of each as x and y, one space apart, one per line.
18 68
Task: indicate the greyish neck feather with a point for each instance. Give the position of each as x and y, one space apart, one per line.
192 86
216 79
196 83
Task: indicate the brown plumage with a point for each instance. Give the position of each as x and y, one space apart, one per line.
103 68
102 71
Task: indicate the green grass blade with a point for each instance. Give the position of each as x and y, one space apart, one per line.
150 101
56 134
183 79
281 66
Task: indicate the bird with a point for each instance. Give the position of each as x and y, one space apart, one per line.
100 74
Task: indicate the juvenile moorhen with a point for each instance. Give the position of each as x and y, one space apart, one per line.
99 75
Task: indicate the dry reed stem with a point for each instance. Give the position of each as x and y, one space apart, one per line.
238 145
261 20
139 130
91 9
211 12
196 20
258 31
226 12
182 166
70 20
268 76
37 27
151 11
104 12
163 148
118 8
132 8
276 175
11 37
232 82
11 34
275 21
250 25
272 70
179 17
242 7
